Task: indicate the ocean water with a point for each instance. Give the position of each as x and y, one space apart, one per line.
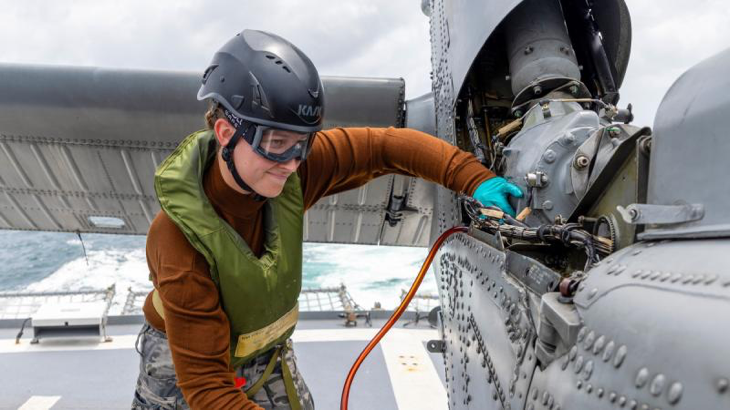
48 261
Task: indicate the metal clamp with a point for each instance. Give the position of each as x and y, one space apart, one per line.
643 214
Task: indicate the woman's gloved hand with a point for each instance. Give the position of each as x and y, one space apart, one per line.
494 191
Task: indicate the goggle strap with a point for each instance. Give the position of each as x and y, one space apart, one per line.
227 155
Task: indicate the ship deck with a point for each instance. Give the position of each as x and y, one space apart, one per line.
85 373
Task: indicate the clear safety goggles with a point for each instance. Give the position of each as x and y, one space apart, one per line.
274 144
280 145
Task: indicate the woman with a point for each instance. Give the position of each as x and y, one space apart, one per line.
225 252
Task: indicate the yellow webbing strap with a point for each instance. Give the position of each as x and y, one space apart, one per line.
291 390
157 303
267 372
249 343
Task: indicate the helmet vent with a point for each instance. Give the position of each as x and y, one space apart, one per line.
286 69
208 71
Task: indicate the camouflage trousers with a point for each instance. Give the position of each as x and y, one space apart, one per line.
157 383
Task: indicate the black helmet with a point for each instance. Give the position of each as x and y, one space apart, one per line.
266 80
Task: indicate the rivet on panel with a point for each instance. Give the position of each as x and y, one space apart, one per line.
676 278
579 384
593 293
565 363
534 393
573 353
622 401
675 393
589 389
599 393
578 366
657 385
711 279
633 404
588 370
655 275
646 274
722 385
609 351
642 377
582 333
688 279
620 356
665 276
612 397
590 338
698 279
599 345
545 397
637 273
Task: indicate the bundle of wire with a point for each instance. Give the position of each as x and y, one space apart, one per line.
569 234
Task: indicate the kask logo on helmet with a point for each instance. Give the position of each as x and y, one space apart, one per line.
309 111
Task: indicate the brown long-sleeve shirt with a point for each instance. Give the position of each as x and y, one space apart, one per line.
341 159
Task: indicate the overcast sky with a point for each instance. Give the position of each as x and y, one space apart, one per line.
342 37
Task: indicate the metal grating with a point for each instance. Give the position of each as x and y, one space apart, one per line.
134 303
327 299
22 305
422 302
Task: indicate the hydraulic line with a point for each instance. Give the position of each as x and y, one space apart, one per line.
397 314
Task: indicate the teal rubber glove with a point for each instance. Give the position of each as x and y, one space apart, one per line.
494 191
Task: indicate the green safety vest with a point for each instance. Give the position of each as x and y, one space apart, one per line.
259 295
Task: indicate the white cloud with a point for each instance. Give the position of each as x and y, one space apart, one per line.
374 38
668 38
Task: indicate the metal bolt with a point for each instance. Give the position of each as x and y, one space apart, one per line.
518 114
634 214
614 132
537 90
574 89
581 162
547 205
722 385
529 50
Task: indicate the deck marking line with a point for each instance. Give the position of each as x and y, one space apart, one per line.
415 382
39 403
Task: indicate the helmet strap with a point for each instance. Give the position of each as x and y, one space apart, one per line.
227 155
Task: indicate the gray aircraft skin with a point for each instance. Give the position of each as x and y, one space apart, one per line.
611 290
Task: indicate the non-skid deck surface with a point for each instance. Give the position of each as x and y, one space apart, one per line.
85 374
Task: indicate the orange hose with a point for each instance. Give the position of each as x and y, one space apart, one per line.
396 315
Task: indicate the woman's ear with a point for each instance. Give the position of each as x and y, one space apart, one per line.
224 131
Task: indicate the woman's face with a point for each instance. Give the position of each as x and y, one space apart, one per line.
264 176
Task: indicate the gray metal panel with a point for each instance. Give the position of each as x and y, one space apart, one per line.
466 27
415 227
655 332
82 142
691 128
488 327
460 28
355 216
421 114
101 104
